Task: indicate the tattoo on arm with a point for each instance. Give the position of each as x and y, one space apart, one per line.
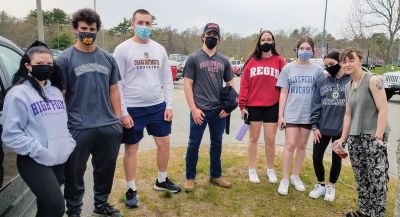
379 85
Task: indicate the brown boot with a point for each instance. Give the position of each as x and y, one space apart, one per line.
221 182
189 185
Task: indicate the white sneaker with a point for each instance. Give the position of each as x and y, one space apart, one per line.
271 176
283 187
298 184
318 191
330 193
253 177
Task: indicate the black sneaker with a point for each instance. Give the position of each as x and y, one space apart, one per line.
131 200
107 210
167 186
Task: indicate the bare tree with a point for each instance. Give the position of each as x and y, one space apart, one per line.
355 21
385 14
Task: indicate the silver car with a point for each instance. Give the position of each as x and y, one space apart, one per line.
16 199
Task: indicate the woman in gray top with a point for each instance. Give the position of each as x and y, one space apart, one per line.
297 82
365 128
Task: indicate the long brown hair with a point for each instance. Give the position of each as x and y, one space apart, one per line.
256 54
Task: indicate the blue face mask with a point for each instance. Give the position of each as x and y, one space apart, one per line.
304 54
143 32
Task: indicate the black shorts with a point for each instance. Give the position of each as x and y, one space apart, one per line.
305 126
266 114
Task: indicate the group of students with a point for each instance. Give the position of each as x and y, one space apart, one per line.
342 105
87 101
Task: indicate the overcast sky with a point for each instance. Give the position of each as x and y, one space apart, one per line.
235 16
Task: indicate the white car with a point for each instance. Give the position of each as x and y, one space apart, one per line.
391 82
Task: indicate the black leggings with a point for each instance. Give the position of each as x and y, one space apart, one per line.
45 183
318 157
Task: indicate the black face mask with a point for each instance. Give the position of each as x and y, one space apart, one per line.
333 70
266 47
211 42
87 38
42 72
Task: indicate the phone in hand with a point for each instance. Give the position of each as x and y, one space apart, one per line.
283 126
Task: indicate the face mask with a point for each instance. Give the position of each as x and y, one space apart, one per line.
42 72
266 47
87 38
211 42
333 70
143 32
304 54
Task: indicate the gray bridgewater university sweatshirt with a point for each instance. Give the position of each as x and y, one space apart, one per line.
34 127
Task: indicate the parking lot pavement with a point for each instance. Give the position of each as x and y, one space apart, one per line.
180 132
180 136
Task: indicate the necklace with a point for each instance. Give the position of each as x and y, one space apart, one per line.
354 88
358 82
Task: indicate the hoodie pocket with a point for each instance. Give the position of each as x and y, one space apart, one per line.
61 147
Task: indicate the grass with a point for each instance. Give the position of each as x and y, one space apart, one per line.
244 199
379 70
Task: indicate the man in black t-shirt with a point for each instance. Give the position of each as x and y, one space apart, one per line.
204 74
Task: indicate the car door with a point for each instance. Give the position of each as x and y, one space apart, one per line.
15 196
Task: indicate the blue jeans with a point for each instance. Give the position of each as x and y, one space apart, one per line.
216 125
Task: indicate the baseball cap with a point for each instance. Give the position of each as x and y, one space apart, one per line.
211 27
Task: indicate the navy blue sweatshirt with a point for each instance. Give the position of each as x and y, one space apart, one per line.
329 105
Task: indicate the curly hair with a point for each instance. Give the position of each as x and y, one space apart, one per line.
86 15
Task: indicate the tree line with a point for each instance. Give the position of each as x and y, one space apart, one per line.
59 35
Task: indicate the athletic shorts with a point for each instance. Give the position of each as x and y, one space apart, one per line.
305 126
151 118
266 114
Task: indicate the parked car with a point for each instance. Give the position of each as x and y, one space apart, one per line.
174 73
178 69
391 82
16 199
178 57
236 66
55 52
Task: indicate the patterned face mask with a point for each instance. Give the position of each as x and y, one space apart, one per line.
87 38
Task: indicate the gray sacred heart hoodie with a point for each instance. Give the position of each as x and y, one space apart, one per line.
34 127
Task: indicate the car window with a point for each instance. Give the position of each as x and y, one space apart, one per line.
235 62
11 60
